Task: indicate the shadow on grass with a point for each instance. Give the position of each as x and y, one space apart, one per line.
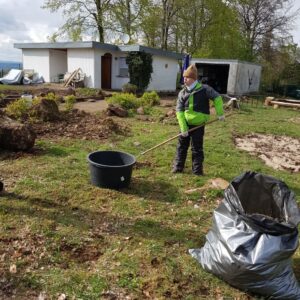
35 151
102 221
156 190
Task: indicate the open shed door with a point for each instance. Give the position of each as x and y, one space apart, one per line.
106 71
215 75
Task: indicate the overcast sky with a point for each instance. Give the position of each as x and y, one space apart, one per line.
25 21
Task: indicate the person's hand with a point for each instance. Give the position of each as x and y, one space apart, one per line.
185 134
221 118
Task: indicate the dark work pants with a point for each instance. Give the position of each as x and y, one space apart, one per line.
196 140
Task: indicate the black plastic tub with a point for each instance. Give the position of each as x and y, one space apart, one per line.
111 169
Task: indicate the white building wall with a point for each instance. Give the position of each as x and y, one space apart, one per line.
232 77
164 74
248 78
163 77
83 59
58 63
117 80
37 60
97 67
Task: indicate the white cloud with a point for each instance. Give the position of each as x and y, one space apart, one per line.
296 31
24 21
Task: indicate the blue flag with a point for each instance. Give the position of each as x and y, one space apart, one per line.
185 65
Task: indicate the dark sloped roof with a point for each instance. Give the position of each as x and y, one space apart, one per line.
98 45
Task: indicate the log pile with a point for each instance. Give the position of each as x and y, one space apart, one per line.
275 102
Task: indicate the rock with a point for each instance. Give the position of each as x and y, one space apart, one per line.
15 135
140 110
70 91
46 110
118 111
171 113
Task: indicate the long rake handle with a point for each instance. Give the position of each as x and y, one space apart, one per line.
176 136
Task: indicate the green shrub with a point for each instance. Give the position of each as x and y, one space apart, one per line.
36 100
2 96
89 92
69 102
53 97
139 68
125 100
149 99
18 108
129 88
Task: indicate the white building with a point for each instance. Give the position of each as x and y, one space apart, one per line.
231 77
103 64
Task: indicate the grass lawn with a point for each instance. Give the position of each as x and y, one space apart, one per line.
61 235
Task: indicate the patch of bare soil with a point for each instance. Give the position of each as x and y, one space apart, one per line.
278 152
80 125
295 120
91 106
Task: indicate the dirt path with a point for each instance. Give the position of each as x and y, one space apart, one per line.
91 106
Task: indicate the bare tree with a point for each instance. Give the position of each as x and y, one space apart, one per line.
126 17
89 15
169 10
264 18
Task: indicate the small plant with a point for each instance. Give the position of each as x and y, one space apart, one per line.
36 101
2 96
129 88
89 92
17 109
150 99
53 97
69 102
125 100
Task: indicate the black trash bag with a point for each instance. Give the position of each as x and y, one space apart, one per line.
253 236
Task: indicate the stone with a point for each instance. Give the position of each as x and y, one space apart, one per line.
171 113
46 110
140 110
15 136
117 111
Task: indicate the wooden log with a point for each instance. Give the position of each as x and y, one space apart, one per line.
268 100
285 104
288 100
71 77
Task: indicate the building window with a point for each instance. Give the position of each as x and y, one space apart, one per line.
123 67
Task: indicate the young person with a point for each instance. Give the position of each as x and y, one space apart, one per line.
192 110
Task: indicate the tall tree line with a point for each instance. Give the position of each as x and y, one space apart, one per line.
253 30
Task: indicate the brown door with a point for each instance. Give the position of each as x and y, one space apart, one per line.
106 71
